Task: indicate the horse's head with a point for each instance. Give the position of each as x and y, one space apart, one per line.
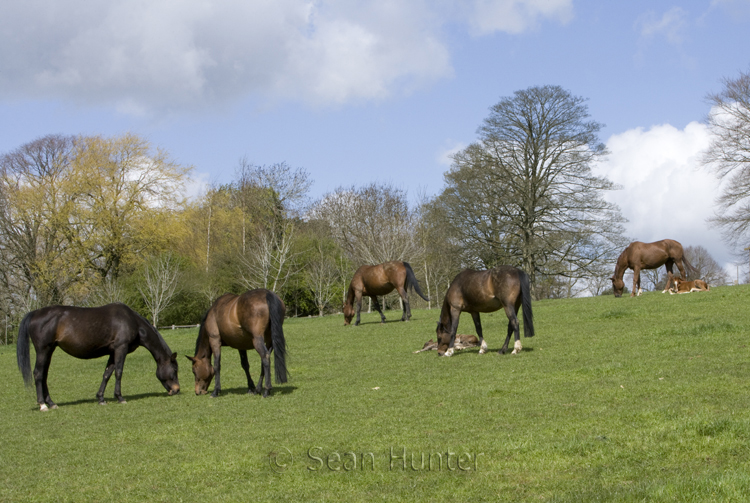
348 313
203 372
166 372
443 338
617 286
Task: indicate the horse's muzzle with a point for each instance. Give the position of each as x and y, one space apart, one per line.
175 390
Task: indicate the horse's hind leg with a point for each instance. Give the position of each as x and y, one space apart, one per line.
265 365
407 308
513 328
377 307
246 367
478 327
41 370
105 379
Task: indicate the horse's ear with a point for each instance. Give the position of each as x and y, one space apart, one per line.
174 357
190 358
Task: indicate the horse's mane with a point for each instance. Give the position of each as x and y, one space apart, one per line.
200 332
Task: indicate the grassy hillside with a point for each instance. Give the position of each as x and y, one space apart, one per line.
613 400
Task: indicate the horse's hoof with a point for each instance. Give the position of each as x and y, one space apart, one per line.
102 403
43 407
251 392
265 393
53 406
122 401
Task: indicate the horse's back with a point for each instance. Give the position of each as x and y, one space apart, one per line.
87 332
485 291
240 318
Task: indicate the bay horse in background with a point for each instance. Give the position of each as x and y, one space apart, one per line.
113 330
637 256
252 320
381 279
475 292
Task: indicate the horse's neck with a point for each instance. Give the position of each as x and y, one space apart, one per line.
445 315
203 348
155 344
621 266
350 296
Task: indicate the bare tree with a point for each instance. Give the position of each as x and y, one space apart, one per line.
729 157
159 284
270 260
707 268
524 194
373 224
322 276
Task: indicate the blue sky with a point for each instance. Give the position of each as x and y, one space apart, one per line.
380 91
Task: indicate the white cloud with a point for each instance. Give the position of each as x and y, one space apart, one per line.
516 16
445 154
666 194
142 56
672 25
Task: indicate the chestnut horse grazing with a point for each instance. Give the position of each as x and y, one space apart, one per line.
252 320
381 279
91 332
485 292
637 256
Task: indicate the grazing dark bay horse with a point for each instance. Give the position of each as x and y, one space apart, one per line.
252 320
475 292
381 279
113 330
637 256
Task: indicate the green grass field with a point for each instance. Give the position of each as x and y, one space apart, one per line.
644 399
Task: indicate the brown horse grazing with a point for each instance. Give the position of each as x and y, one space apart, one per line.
252 320
637 256
381 279
485 292
91 332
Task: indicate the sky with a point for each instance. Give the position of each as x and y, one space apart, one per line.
383 91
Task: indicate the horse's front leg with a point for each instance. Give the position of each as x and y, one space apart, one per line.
41 370
358 300
217 373
455 315
246 367
119 366
478 328
636 282
377 308
105 379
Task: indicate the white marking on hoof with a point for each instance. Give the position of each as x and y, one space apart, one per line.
54 406
483 347
640 291
449 352
516 348
43 408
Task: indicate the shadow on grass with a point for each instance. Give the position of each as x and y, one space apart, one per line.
276 390
128 398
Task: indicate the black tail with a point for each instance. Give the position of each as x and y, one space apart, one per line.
528 316
276 318
689 267
22 350
411 281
